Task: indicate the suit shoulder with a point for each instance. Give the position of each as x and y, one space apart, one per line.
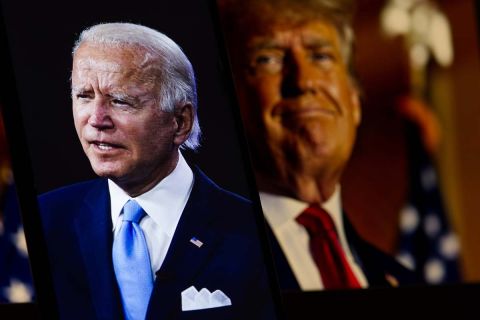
75 187
205 183
229 209
378 264
66 193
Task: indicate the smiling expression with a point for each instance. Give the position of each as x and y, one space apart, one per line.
123 131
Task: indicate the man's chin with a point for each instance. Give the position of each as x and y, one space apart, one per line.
107 172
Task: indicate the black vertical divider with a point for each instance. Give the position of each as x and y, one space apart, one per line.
226 73
45 304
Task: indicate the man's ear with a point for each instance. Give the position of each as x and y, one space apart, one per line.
184 118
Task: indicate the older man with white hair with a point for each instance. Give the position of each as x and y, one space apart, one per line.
151 238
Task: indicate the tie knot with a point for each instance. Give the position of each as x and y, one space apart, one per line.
132 211
316 219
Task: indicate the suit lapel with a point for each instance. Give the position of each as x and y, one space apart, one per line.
366 256
285 276
94 234
185 260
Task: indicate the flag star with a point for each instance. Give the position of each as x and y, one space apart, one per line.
432 224
449 246
434 271
18 239
18 292
409 219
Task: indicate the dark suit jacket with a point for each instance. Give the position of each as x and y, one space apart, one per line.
380 269
78 228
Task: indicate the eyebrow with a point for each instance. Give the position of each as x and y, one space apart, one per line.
76 90
114 95
310 42
265 44
317 42
123 96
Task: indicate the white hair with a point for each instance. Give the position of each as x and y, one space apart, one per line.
177 79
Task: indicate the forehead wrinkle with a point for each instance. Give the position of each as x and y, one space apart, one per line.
317 40
280 35
138 71
265 43
308 40
90 63
131 76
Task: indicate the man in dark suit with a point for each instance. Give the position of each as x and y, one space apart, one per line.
291 62
151 238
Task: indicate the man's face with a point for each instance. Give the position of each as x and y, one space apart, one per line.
123 132
300 107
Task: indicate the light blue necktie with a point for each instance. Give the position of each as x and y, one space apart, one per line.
132 263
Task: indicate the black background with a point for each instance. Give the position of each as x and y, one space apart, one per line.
41 37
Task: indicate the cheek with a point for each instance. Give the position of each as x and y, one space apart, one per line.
79 118
82 111
342 90
345 139
265 91
151 135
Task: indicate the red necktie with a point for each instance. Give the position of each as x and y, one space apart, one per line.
326 249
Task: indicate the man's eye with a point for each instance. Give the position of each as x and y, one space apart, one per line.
321 57
268 63
119 102
264 60
83 96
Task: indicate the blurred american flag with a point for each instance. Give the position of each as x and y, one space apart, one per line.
15 278
427 244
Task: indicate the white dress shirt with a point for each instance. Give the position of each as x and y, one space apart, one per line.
280 213
163 205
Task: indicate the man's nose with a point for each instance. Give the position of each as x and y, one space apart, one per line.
300 76
100 115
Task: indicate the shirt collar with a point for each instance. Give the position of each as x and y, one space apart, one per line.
164 203
279 210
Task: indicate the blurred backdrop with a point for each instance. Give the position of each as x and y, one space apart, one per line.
413 184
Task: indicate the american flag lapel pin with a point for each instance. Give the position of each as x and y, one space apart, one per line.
196 242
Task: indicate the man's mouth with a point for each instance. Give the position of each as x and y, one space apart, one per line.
306 107
294 114
105 146
307 112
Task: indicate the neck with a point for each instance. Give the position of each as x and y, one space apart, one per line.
139 185
308 189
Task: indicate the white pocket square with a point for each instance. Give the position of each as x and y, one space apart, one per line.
203 299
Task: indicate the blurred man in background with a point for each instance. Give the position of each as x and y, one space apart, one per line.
300 105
